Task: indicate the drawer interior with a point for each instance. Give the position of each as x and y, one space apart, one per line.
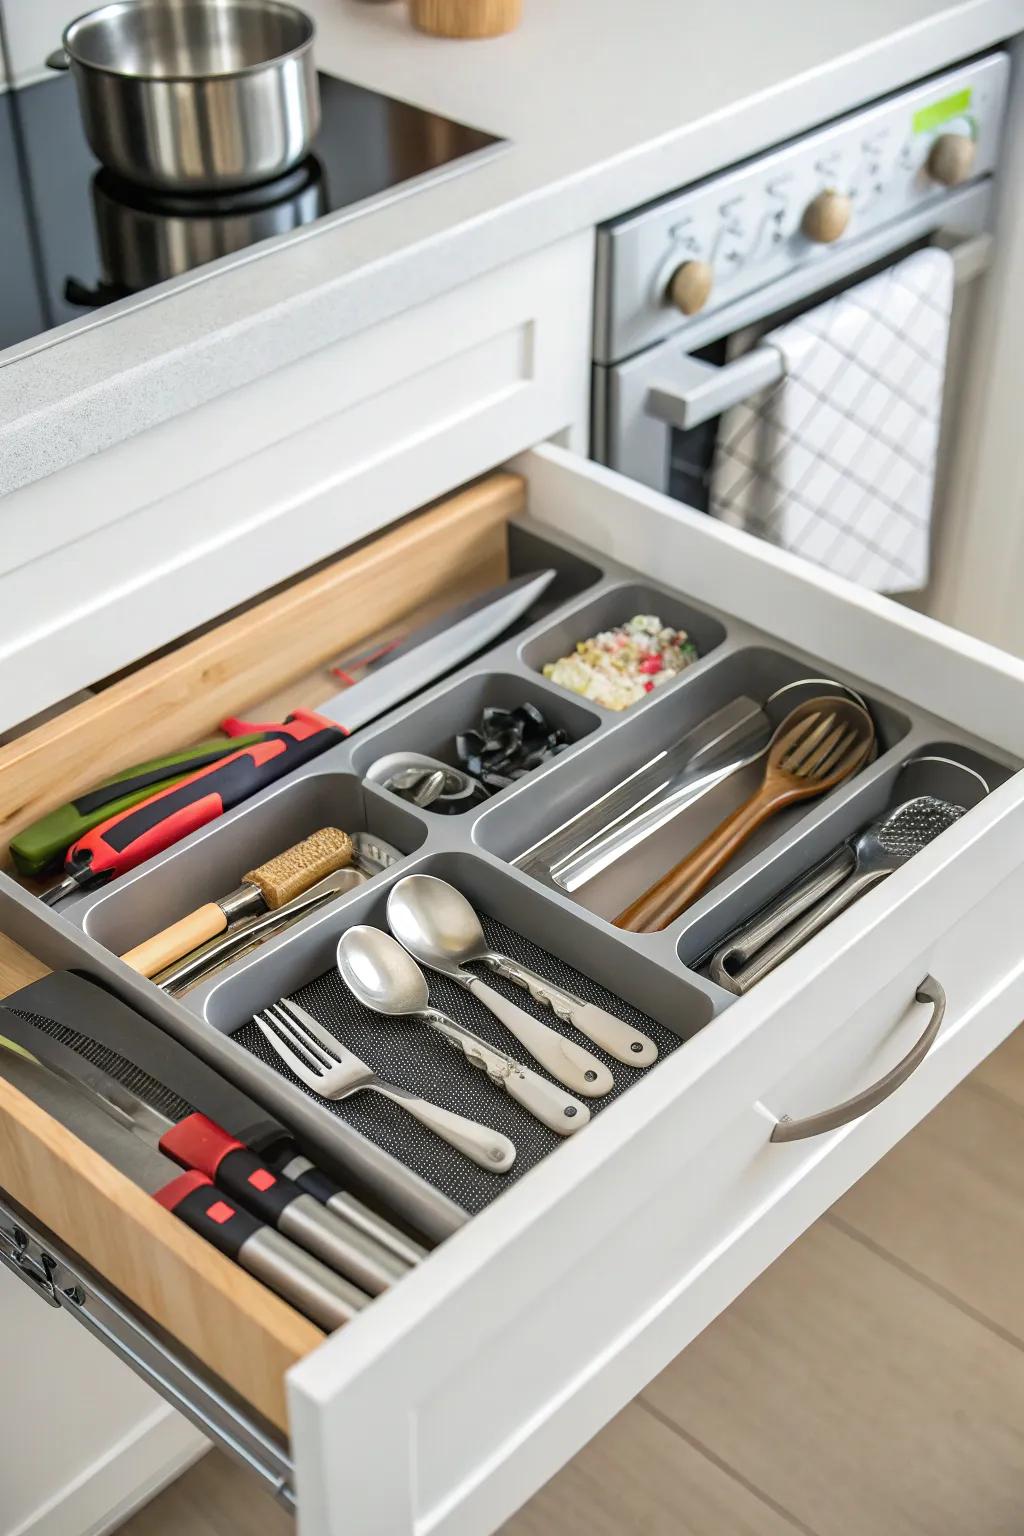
658 981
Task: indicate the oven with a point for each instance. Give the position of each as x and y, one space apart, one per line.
693 289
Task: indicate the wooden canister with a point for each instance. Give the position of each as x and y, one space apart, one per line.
466 18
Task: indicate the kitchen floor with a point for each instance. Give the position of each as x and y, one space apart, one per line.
872 1380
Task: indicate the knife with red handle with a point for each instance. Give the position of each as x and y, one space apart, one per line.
118 845
323 1296
139 833
205 1148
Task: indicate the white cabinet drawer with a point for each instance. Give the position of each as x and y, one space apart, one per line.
448 1404
453 1397
177 525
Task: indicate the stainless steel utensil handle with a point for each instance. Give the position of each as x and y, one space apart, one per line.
368 1222
301 1279
577 1068
340 1245
728 961
359 1215
548 1103
680 792
930 991
798 933
613 1035
490 1149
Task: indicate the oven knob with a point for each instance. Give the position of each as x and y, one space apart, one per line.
952 159
826 217
691 286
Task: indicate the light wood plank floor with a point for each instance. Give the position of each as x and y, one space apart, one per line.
871 1383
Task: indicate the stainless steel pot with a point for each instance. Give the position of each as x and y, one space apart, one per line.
195 95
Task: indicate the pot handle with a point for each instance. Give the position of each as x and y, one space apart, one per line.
58 59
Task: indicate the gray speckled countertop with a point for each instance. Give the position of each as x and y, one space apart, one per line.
607 104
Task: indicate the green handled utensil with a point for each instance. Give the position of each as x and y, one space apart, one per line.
42 845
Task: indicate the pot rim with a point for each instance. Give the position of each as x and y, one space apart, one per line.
116 6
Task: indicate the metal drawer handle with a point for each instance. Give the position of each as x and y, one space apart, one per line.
930 991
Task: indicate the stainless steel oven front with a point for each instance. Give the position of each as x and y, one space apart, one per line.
687 285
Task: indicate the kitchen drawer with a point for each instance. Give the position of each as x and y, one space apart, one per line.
451 1399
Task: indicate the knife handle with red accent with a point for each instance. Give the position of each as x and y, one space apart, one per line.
125 840
310 1286
313 1181
199 1144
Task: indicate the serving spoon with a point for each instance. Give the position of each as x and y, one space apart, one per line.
384 977
440 929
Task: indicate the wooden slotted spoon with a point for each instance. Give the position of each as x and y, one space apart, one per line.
817 746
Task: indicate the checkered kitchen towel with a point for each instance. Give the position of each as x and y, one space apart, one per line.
837 462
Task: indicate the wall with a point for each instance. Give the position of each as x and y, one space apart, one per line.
33 30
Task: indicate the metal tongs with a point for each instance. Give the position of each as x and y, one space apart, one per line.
609 828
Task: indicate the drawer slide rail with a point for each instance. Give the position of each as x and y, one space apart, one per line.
65 1283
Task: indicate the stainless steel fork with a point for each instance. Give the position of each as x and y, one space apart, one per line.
330 1069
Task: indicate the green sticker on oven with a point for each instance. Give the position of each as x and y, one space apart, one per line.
939 112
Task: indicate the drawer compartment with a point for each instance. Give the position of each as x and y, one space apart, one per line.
456 1394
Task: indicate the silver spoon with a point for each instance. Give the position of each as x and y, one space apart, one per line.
382 976
440 929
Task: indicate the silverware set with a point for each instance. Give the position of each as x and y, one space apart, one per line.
432 923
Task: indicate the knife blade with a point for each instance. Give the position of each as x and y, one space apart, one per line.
432 650
146 829
280 1264
198 1144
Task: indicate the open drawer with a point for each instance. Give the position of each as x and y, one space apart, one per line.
452 1398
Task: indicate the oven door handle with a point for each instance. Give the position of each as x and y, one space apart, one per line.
701 391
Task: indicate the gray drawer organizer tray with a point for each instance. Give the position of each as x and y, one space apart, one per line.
652 974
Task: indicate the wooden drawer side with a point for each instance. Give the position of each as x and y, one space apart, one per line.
458 545
241 1332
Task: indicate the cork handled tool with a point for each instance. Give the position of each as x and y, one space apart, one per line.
280 880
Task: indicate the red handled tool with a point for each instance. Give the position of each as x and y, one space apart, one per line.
265 1252
200 1145
125 840
394 674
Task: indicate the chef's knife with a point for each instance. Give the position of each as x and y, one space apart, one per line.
141 831
87 1024
301 1279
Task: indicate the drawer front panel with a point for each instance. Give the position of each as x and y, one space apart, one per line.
114 557
543 1317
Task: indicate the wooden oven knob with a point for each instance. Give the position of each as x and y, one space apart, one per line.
826 217
952 159
691 286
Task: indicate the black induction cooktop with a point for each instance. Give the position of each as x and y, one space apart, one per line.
73 238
